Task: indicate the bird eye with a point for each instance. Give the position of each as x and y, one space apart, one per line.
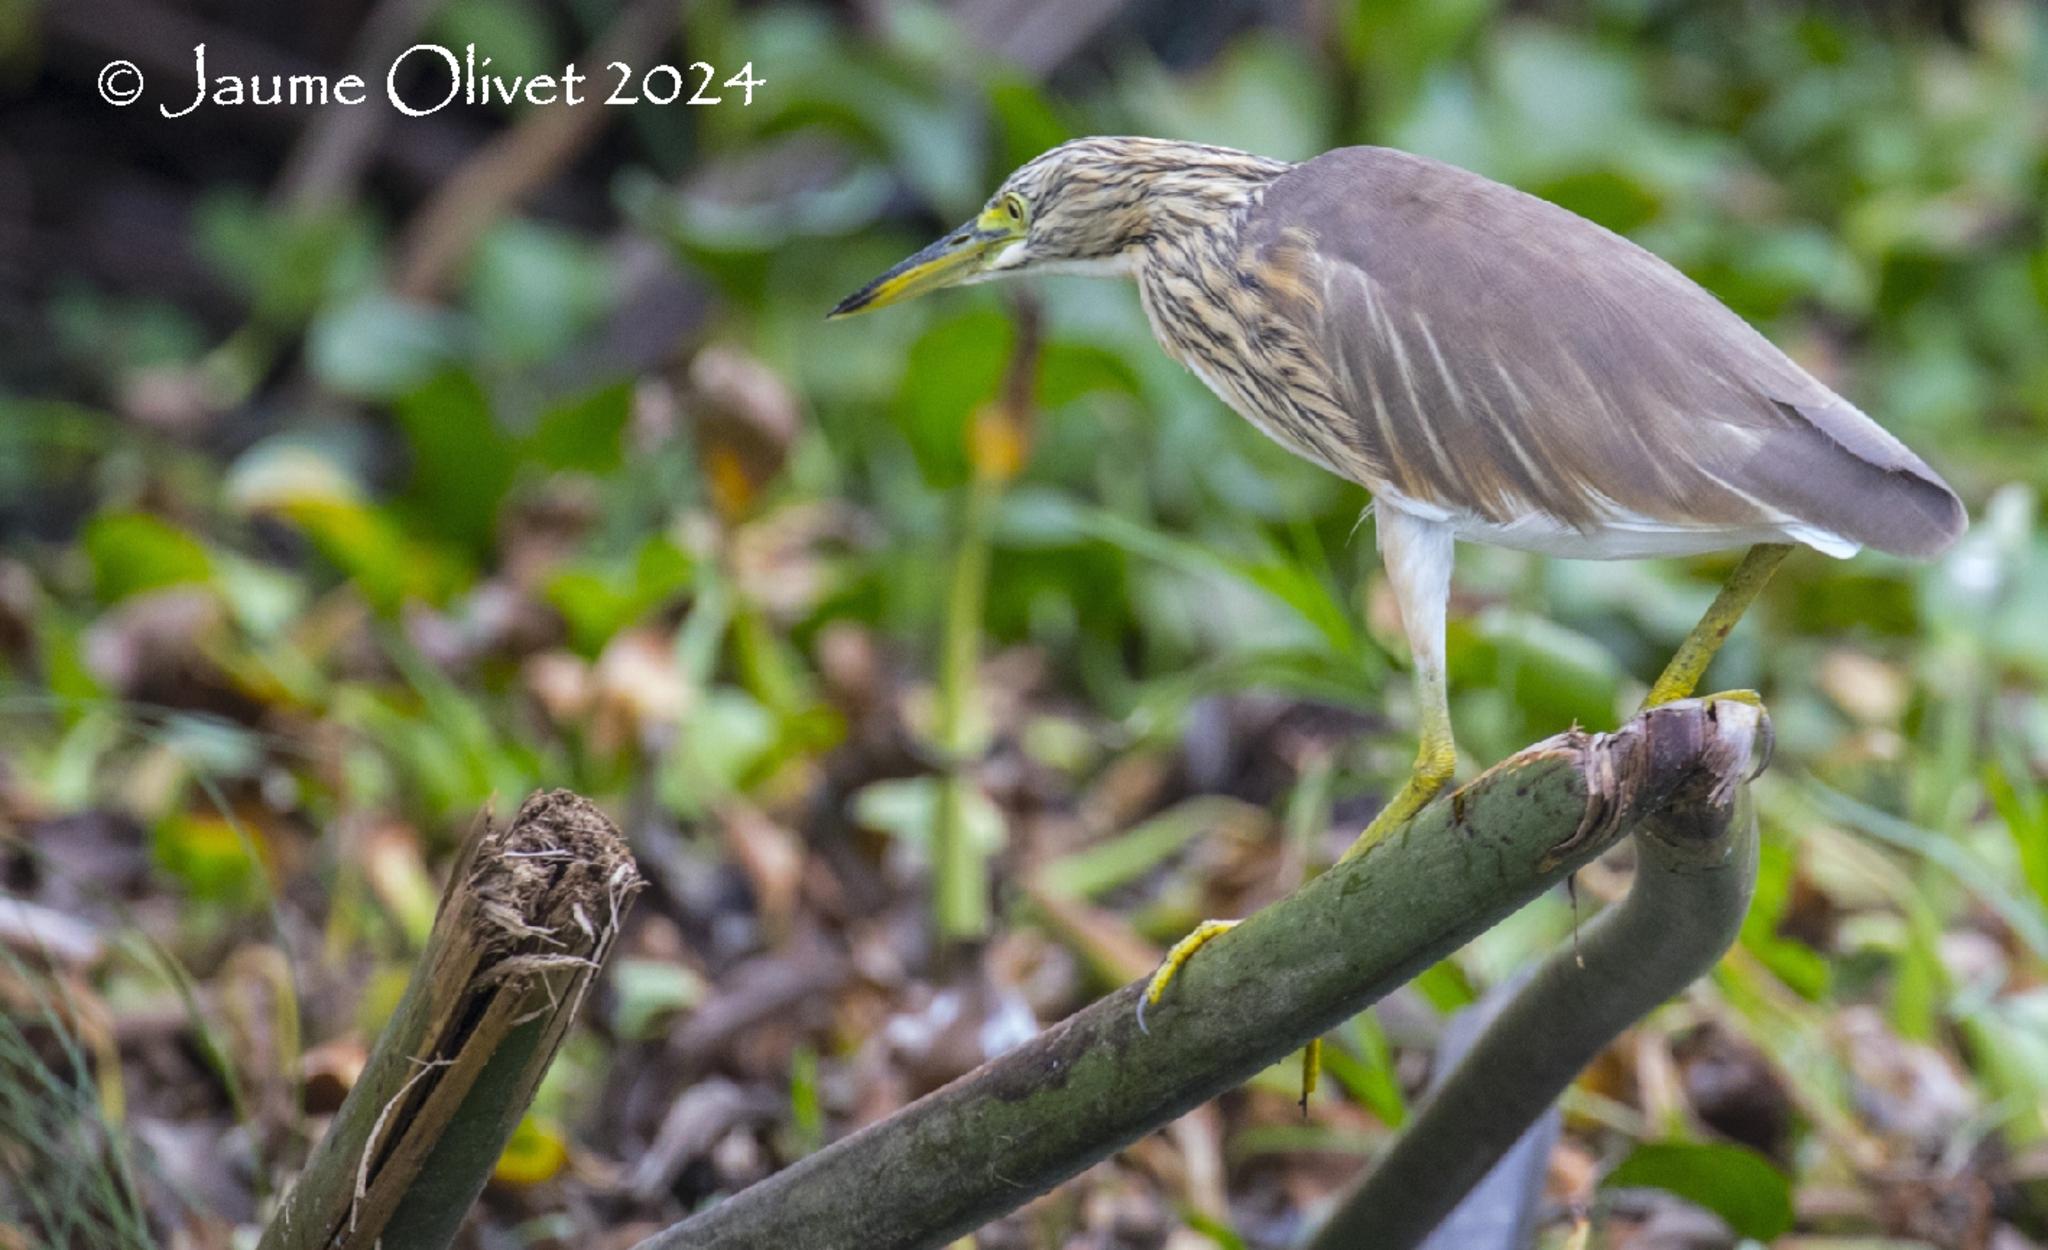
1013 207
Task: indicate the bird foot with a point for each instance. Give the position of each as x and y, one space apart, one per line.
1750 697
1184 950
1432 773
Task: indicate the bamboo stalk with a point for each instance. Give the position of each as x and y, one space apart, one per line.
1026 1121
1695 872
530 913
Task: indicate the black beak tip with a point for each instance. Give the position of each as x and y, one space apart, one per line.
848 306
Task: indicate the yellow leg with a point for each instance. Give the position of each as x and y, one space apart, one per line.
1682 675
1417 555
1434 764
1418 561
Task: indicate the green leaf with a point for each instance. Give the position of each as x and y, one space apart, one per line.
724 740
587 432
1068 370
1920 983
1398 43
1370 1077
377 346
1126 856
111 334
1603 194
479 754
2008 1043
1798 965
285 264
132 552
372 549
65 672
1554 674
908 809
1219 1233
514 33
1261 94
533 288
647 994
1570 100
806 1106
1734 1182
462 463
2018 801
1026 120
1051 517
48 444
955 368
209 856
598 600
1445 986
2027 920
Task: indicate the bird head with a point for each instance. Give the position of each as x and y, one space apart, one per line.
1083 207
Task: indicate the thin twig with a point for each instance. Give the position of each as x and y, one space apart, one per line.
331 152
521 160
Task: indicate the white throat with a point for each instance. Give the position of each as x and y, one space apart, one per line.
1018 256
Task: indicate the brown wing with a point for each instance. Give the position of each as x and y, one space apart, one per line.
1501 355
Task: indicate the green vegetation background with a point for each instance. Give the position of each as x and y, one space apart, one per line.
346 567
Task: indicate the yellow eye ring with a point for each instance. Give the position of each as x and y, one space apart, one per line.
1014 208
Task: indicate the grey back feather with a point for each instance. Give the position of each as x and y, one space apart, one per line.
1498 355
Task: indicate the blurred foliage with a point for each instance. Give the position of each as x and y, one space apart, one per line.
345 560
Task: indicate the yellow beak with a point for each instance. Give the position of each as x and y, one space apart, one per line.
953 259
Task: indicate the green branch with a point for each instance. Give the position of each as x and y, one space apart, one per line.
1695 871
1026 1121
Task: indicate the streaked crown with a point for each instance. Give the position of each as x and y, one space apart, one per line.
1092 200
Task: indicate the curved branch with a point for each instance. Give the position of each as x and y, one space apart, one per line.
1695 871
1026 1121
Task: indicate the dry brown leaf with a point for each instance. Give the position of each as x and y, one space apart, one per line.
640 693
772 858
561 683
1868 689
328 1071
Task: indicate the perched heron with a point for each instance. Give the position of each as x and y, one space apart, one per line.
1491 367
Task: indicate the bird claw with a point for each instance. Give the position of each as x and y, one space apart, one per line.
1198 937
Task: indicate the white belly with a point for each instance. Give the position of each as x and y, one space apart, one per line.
1619 536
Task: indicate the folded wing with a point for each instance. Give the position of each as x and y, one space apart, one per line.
1502 357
